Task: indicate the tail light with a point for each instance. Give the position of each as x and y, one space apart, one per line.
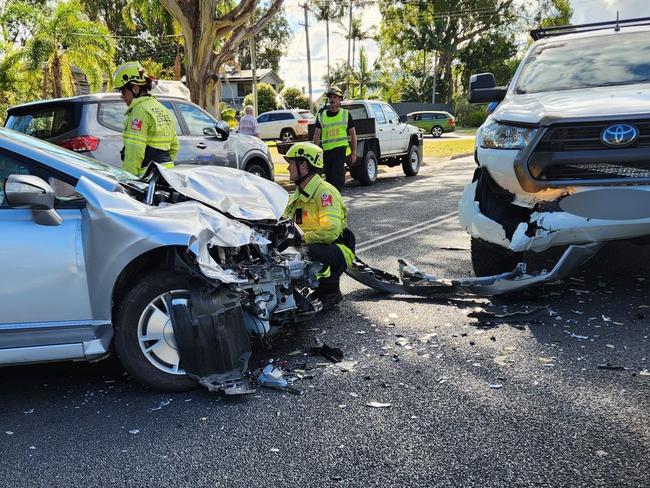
452 121
303 121
80 143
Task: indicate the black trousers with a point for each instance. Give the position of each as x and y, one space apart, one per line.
329 255
334 162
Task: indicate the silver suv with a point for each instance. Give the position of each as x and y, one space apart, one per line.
93 124
160 267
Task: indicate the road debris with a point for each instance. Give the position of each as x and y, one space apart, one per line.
424 339
402 341
526 315
134 431
347 366
378 405
274 449
334 354
612 367
272 376
496 386
27 412
601 453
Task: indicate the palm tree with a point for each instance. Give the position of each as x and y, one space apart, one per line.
326 11
62 37
364 77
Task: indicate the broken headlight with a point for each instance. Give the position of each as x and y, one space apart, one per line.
495 135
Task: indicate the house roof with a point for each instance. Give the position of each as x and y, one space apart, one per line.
247 75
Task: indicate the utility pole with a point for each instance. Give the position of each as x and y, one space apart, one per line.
349 45
251 46
304 6
435 71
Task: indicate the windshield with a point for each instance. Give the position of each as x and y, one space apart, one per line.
72 157
618 59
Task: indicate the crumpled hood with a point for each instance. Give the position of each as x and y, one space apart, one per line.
237 193
548 107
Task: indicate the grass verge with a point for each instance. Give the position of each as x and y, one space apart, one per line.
436 148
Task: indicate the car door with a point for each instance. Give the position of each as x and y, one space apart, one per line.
383 130
42 267
111 114
208 149
399 132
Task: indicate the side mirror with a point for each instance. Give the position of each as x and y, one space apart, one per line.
403 119
483 89
28 191
222 129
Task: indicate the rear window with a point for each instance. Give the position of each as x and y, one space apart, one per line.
45 122
357 111
306 115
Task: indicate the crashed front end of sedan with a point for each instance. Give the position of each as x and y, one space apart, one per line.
228 236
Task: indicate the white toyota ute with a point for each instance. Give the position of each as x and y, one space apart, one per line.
564 159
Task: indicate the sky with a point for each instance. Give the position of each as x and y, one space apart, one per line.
293 67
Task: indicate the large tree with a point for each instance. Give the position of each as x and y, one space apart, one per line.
442 27
270 44
213 30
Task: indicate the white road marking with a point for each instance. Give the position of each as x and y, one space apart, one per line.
405 232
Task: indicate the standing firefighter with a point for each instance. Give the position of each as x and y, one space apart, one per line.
149 131
318 209
332 129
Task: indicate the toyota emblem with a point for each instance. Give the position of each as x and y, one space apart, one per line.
619 135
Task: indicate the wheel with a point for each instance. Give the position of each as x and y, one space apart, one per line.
490 259
259 170
144 336
411 162
436 131
366 172
287 135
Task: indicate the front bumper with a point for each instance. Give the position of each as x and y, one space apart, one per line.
585 216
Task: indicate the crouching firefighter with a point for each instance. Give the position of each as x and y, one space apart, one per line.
318 209
149 131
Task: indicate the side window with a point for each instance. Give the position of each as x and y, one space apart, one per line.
63 191
378 113
195 119
112 115
287 116
177 125
427 116
263 118
391 114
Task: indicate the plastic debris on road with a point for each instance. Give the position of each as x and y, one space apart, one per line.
526 315
134 431
378 405
496 386
272 376
334 354
347 365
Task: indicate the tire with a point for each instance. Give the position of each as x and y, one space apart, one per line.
437 131
411 162
287 135
136 316
259 170
490 259
366 173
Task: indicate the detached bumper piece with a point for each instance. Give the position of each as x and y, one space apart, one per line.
212 340
412 281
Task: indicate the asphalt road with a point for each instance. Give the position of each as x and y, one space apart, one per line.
556 420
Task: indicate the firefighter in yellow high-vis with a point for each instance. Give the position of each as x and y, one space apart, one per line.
318 209
149 131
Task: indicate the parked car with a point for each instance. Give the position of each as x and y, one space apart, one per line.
284 125
156 269
93 124
564 158
434 123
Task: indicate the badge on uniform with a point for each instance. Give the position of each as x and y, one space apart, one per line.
136 124
326 200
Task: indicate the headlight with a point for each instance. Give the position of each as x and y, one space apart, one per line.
500 136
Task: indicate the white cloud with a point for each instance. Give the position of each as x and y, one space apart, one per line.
293 67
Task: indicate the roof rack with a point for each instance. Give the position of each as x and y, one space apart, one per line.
543 32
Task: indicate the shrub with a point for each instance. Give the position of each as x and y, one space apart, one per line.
266 98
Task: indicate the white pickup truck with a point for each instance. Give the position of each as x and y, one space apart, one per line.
383 137
564 160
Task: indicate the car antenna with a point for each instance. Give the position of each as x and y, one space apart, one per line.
618 27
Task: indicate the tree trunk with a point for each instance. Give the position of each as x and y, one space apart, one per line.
202 29
46 76
327 34
56 77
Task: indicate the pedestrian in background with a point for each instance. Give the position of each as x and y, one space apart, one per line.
248 123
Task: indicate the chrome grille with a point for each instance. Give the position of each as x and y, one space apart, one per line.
587 136
596 171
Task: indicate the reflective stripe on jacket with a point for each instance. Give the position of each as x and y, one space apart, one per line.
334 130
148 123
320 213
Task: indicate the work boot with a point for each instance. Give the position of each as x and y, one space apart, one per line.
330 300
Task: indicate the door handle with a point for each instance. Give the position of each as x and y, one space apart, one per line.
201 145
